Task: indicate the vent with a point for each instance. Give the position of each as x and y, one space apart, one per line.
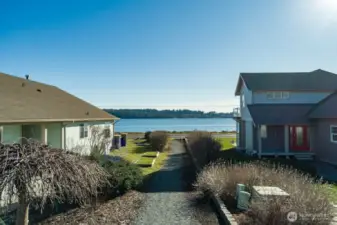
23 84
38 90
27 77
87 113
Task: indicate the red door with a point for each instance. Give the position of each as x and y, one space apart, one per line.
299 138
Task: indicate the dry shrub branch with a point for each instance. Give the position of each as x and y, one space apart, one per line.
306 195
35 174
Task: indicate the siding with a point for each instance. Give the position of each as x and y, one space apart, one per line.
249 135
242 134
255 138
325 150
81 145
11 134
274 141
294 97
54 137
247 100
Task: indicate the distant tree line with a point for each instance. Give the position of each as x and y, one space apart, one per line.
154 113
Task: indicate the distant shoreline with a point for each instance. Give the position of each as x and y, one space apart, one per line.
184 132
137 118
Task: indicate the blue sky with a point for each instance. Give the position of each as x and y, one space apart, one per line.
163 53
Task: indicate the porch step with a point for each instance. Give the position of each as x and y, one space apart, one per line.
304 157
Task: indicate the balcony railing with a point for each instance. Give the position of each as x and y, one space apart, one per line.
236 112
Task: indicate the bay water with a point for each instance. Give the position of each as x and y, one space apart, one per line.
175 124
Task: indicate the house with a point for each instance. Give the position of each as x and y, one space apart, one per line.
288 114
33 110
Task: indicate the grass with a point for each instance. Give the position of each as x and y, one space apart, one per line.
134 152
332 191
226 142
160 161
150 154
145 161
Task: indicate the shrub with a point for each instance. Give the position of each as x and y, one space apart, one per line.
159 140
306 195
204 147
147 136
124 176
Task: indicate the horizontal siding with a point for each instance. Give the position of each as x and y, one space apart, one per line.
274 142
323 147
11 134
81 145
54 135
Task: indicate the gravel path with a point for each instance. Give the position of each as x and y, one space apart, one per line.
167 195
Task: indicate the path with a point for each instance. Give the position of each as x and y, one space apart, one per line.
168 195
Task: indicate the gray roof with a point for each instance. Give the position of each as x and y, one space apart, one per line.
280 114
325 109
318 80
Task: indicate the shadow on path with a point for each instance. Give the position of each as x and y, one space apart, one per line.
169 193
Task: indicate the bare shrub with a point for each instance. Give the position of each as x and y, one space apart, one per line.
147 136
306 197
159 140
36 174
204 147
100 140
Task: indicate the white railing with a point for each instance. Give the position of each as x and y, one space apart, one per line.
236 112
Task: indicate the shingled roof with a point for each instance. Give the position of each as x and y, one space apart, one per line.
26 101
318 80
280 114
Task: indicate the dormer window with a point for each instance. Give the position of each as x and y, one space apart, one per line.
278 95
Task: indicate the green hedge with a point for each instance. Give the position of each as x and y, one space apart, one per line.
124 176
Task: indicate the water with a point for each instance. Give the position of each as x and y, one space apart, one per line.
143 125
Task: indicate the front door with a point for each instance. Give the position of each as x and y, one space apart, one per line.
299 138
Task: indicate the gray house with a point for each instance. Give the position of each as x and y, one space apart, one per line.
288 114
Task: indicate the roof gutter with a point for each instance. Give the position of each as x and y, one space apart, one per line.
56 120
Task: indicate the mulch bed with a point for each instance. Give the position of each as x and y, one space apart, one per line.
119 211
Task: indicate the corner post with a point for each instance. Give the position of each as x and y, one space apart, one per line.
286 140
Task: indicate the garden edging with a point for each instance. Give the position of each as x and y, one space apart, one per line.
224 213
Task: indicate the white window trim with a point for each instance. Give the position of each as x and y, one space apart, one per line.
263 131
85 127
331 134
282 95
285 94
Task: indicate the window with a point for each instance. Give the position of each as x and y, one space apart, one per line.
83 131
107 131
278 95
285 95
243 101
263 131
333 133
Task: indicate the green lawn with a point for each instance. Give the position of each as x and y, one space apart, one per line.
160 161
145 161
226 142
332 191
150 154
140 153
